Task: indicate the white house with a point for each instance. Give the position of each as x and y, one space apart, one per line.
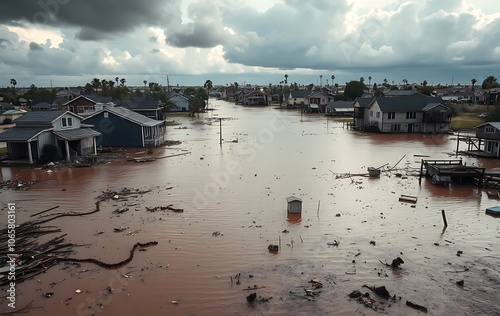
411 114
62 129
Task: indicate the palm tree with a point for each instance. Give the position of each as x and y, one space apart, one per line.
333 78
320 80
490 82
362 79
117 80
405 82
122 81
111 84
96 83
385 82
369 80
13 82
286 78
145 82
208 86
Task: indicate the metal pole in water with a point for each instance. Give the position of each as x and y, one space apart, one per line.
220 130
444 218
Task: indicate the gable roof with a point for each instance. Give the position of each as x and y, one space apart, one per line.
299 93
401 93
363 102
141 103
39 117
94 98
42 117
416 102
128 115
496 125
21 134
341 105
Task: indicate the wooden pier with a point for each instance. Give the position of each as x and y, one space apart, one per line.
454 169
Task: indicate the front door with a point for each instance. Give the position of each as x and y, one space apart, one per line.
410 128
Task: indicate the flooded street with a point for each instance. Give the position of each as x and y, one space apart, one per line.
234 202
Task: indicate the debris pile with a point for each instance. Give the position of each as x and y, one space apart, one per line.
16 185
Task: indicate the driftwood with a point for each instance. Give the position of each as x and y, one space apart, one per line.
163 208
50 209
416 306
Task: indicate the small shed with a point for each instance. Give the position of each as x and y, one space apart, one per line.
294 205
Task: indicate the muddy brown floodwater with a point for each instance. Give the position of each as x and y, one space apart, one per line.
234 201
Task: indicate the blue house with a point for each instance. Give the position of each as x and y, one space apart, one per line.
121 127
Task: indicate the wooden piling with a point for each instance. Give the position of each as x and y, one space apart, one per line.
444 218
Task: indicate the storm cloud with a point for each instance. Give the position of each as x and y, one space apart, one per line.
421 39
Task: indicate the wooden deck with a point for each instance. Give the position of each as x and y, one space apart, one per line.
455 169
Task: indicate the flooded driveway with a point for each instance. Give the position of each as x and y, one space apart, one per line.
211 256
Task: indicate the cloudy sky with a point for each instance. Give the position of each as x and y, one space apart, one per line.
248 41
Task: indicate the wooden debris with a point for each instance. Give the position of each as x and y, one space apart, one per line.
416 306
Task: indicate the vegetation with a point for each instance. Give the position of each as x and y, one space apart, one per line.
354 89
198 105
490 82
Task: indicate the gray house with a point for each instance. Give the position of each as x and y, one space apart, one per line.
488 135
411 114
35 129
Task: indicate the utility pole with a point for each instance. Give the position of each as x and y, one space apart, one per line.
168 85
220 131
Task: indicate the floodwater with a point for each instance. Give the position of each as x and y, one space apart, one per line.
239 190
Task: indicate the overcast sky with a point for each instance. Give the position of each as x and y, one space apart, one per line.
248 41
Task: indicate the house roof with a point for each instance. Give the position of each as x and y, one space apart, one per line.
400 93
496 125
431 106
39 117
363 102
21 134
129 115
141 103
13 112
341 105
416 102
42 105
299 93
77 133
293 198
92 98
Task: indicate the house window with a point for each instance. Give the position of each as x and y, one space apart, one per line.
490 130
391 115
70 121
106 114
411 115
64 124
371 113
395 127
378 114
